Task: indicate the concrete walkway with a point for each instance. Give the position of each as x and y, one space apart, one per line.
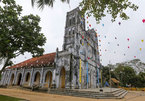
35 96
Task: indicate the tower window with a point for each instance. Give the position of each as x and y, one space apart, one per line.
69 22
73 20
69 33
73 32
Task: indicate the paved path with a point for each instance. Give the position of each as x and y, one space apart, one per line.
35 96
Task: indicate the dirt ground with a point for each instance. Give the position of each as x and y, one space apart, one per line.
35 96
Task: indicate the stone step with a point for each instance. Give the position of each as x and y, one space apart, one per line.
120 93
122 96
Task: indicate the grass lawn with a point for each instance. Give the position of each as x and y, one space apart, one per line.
7 98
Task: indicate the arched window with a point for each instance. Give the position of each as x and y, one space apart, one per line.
73 32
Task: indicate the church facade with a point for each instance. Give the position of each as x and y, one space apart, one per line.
76 66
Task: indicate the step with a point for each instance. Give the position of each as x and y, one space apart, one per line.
120 93
122 96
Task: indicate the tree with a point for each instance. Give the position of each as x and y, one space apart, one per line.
42 3
125 74
106 74
97 8
18 34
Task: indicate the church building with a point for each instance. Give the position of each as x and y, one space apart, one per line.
75 66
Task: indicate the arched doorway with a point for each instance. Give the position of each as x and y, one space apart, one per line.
62 78
91 79
48 79
27 78
19 79
12 79
37 78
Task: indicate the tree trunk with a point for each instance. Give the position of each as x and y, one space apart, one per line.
5 65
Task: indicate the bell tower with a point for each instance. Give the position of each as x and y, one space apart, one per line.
75 23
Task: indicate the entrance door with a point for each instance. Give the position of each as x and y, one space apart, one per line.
48 79
62 77
19 79
37 78
12 79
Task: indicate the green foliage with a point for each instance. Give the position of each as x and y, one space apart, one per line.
106 74
18 34
97 8
7 98
0 76
125 74
42 3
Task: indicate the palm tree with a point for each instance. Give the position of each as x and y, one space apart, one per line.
42 3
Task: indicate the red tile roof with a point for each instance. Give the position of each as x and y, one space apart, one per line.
44 60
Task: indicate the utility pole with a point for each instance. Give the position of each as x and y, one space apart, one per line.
110 76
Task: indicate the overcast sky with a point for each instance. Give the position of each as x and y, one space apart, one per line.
113 50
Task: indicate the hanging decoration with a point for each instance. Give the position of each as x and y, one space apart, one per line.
142 40
128 47
80 72
140 49
96 35
119 23
82 37
134 56
101 77
87 72
128 39
103 25
143 20
87 21
89 25
82 44
88 44
98 75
